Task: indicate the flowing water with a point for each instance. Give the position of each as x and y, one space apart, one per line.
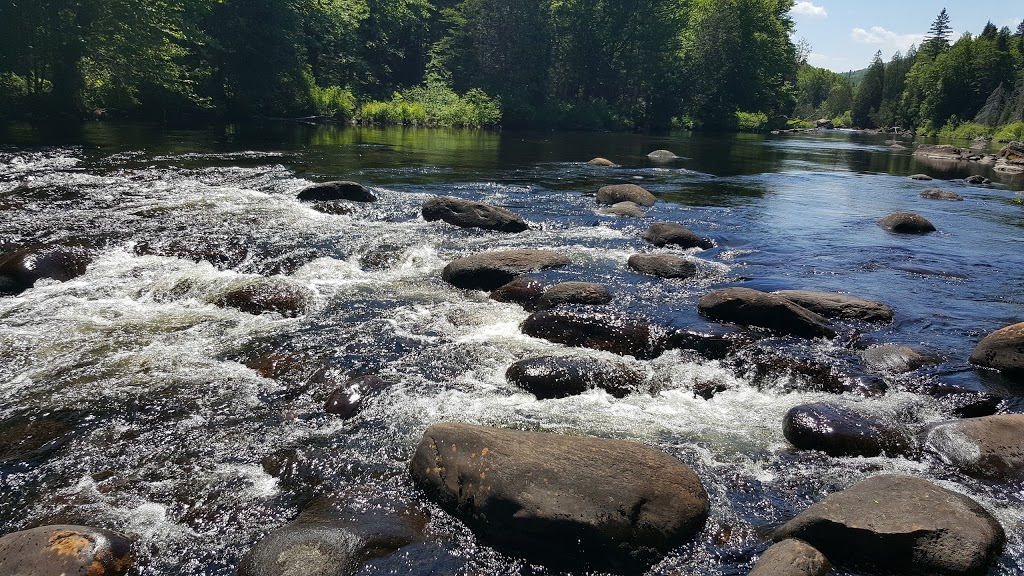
170 419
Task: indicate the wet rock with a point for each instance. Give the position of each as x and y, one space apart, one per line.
941 195
265 296
221 253
833 305
585 293
568 502
963 402
771 369
382 257
332 539
64 549
601 162
666 233
748 307
333 207
490 270
27 438
991 447
624 209
525 291
341 190
977 180
20 270
840 431
662 155
609 332
625 193
896 359
906 223
1011 159
561 376
279 365
921 177
347 399
662 265
942 152
1002 350
791 557
713 346
900 523
707 389
470 214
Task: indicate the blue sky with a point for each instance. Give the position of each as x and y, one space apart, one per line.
845 34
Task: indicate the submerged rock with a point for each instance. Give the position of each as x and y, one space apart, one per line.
562 376
609 332
941 195
990 447
1002 350
347 399
906 223
569 502
625 209
896 359
924 177
470 214
791 557
963 402
490 270
601 162
662 155
340 190
617 193
665 233
748 307
900 523
20 270
333 207
662 265
65 550
26 438
586 293
265 296
833 305
977 180
840 431
525 291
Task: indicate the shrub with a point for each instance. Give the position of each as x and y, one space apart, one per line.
333 102
844 120
1010 132
964 131
434 104
752 121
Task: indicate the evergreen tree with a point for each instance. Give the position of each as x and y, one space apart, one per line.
869 94
937 39
992 112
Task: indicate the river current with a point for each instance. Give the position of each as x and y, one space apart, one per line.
171 418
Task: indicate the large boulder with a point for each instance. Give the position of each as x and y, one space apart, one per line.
977 180
625 193
65 550
840 431
601 162
471 214
906 223
903 524
833 305
346 400
666 233
935 194
1011 159
791 557
990 447
662 265
490 270
748 307
20 270
340 190
525 291
609 332
562 376
662 155
1002 350
586 293
922 177
942 152
625 209
896 359
263 296
570 502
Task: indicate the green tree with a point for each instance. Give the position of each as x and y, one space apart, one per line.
869 94
937 39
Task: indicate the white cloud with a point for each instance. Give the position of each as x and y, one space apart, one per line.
809 9
886 40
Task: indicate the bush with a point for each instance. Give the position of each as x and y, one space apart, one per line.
752 121
13 90
957 130
844 120
434 104
1010 132
333 102
799 124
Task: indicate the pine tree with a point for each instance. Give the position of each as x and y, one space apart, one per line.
995 105
937 39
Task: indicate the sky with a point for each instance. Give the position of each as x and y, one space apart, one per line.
845 34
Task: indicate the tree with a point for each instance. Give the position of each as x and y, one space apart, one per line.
937 39
992 112
869 94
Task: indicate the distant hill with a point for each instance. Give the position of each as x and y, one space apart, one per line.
855 76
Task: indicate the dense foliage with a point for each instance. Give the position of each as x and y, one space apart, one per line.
972 87
566 63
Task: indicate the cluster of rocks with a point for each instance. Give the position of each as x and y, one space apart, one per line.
1009 160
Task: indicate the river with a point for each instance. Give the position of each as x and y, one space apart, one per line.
164 428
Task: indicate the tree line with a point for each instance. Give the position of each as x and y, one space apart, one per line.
634 64
968 88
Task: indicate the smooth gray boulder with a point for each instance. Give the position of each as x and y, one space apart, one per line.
623 335
922 177
669 233
896 359
791 557
906 223
1002 350
625 193
662 155
525 291
561 376
601 162
935 194
990 447
834 305
748 307
662 265
490 270
340 190
842 431
569 502
264 295
585 293
901 524
64 549
472 214
625 209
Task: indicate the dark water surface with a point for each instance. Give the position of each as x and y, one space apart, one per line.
163 427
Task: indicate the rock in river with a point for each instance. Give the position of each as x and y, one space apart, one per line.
601 162
935 194
609 332
625 193
896 359
791 557
841 431
749 307
662 265
1002 350
906 223
587 293
625 209
65 550
471 214
347 399
20 270
991 447
263 296
900 523
570 502
341 190
665 233
833 305
921 177
561 376
490 270
662 155
525 291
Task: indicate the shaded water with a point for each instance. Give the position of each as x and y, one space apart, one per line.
164 428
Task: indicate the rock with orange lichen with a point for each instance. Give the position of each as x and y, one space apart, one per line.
65 549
